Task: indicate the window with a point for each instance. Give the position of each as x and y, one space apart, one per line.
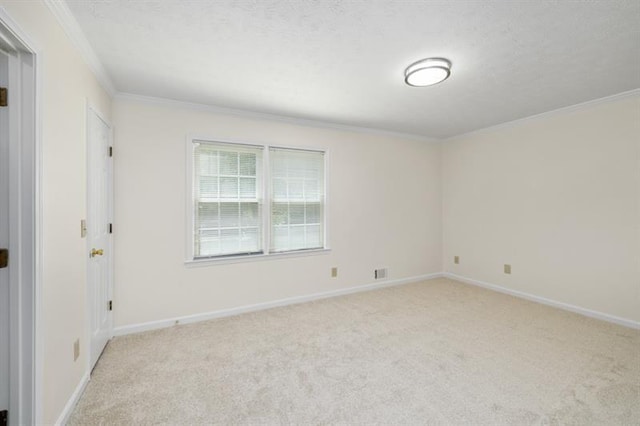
229 215
297 194
227 191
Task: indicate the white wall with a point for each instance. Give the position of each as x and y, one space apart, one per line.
384 211
558 198
66 85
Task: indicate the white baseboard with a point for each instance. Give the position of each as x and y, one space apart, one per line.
73 400
169 322
566 306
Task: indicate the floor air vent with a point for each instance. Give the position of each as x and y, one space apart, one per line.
380 273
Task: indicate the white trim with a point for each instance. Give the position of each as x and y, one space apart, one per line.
252 143
172 103
307 122
559 111
39 246
265 175
70 25
73 400
254 257
265 210
189 198
325 202
154 325
30 257
96 110
549 302
65 17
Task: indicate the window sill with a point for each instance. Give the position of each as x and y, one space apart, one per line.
254 258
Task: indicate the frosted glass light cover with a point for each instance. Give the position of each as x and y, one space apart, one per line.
427 72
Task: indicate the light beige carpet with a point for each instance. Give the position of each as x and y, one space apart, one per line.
437 352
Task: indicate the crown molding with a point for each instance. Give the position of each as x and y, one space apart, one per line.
560 111
266 116
70 25
63 14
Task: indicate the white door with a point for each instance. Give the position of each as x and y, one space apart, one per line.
98 232
4 239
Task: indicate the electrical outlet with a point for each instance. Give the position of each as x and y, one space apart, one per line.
76 349
456 259
507 269
334 272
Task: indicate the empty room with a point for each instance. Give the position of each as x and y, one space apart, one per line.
319 212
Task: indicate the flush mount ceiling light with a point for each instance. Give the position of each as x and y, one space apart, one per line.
427 72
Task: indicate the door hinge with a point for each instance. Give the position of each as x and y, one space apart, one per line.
110 151
3 97
4 417
111 305
111 228
4 258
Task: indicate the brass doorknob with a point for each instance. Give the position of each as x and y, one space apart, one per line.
96 252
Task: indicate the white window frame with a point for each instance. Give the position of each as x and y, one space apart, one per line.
190 260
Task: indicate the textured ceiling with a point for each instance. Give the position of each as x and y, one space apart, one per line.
342 61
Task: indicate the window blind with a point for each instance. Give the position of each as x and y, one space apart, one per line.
297 199
227 199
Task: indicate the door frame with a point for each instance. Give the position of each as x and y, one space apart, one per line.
25 219
90 108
